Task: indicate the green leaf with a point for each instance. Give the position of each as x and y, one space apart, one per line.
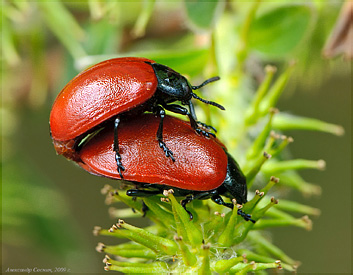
143 18
102 37
64 25
285 122
280 30
203 14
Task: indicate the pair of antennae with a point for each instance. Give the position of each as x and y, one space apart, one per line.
212 79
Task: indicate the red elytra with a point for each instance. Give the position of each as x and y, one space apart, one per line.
200 163
111 87
115 88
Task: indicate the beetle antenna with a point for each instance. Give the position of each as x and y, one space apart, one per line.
207 101
212 79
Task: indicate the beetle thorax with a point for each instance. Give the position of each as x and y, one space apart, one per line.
172 86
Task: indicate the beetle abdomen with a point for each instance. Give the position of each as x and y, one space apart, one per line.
99 93
200 163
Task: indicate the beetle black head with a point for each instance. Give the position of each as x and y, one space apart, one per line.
174 86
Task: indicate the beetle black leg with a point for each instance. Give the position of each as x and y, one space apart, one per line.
189 198
120 166
144 209
141 193
184 202
204 125
193 114
208 127
168 153
194 124
218 199
245 216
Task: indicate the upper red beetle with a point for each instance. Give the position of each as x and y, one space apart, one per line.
114 89
202 168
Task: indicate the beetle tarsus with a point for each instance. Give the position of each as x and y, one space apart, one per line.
190 215
218 199
208 127
168 153
184 202
245 216
205 133
120 166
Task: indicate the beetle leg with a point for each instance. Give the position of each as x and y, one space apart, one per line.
208 127
168 153
245 216
189 198
144 209
185 201
175 108
200 131
120 166
141 193
218 199
194 124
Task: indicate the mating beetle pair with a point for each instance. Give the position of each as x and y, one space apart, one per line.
113 95
116 88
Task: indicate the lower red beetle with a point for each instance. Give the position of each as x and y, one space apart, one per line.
120 87
202 169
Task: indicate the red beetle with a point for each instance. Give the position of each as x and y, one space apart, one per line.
117 88
202 169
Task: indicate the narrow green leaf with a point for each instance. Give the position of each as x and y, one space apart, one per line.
127 267
259 195
258 145
273 166
297 208
9 51
63 25
243 268
252 114
294 180
222 266
189 258
164 217
205 265
157 244
227 234
243 47
254 168
303 222
256 238
285 121
185 227
251 256
271 98
102 37
144 16
128 253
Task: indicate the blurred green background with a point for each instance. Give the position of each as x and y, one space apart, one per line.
50 206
